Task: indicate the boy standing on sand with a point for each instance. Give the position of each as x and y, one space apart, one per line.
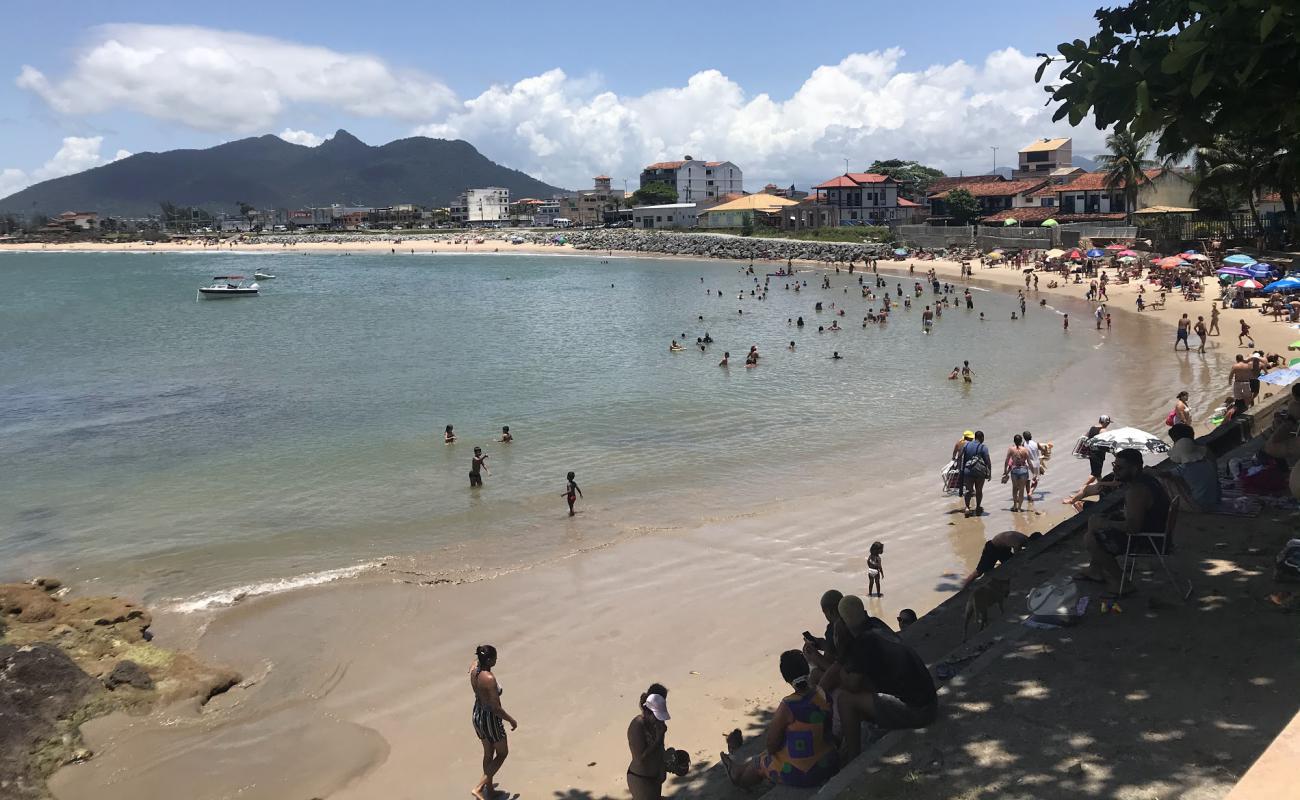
572 492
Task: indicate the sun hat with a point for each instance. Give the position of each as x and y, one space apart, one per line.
968 435
658 706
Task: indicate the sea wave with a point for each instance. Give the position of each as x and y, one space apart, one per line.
223 598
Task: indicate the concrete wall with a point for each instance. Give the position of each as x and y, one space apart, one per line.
932 236
1032 238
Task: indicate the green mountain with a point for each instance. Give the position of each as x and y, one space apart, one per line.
269 172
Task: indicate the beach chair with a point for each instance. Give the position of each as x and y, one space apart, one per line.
1154 545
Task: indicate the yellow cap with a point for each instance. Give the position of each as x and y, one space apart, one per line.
968 435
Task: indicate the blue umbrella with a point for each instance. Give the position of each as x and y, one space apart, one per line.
900 252
1284 285
1240 259
1095 253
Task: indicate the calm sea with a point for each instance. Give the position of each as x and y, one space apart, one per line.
175 447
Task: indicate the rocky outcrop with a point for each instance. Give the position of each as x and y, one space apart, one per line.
704 245
66 660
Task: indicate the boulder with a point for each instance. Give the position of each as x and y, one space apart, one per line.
39 686
26 603
128 673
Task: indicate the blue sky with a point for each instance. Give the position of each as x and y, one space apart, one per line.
560 92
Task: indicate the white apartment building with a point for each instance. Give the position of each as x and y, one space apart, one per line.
1043 157
481 206
696 181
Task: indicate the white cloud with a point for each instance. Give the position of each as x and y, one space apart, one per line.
76 154
863 108
301 137
227 81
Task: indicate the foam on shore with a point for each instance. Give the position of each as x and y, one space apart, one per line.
223 598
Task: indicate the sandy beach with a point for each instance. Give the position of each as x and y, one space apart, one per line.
367 696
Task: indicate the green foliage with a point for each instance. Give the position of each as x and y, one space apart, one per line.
747 224
914 179
1185 70
1126 164
962 206
1232 168
654 194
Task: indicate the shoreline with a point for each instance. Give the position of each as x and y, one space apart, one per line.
714 570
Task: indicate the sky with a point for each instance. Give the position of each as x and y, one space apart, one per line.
787 92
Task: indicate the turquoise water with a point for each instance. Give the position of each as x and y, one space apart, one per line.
175 446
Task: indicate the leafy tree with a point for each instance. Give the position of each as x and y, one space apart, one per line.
962 206
1236 167
914 178
245 209
1126 164
1185 70
654 194
747 224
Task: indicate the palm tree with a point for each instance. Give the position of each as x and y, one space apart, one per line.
1232 164
1127 163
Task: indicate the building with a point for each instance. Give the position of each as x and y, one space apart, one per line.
669 215
761 209
1041 158
269 219
862 198
789 191
74 221
311 218
1087 193
992 196
696 181
487 206
590 206
402 215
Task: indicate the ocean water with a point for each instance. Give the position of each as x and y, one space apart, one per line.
183 449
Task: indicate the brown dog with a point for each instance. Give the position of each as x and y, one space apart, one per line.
989 590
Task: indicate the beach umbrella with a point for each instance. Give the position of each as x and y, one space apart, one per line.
1294 345
1284 285
1249 283
1170 262
1054 253
1128 259
995 256
1116 247
1128 253
1009 221
1095 253
1232 271
1075 254
1128 439
1190 256
1189 253
1049 223
1240 259
901 251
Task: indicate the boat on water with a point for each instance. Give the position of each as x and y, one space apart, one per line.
263 276
224 286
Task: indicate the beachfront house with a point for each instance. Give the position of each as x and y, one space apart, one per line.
992 195
668 215
1041 158
861 198
74 220
591 206
476 207
759 209
696 181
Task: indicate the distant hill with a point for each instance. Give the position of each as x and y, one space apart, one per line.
269 172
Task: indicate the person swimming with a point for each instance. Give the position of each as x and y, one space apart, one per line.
791 347
956 371
506 437
448 436
835 356
675 347
726 357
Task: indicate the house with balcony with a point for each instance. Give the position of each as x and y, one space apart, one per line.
861 198
591 206
992 195
476 207
696 181
1043 157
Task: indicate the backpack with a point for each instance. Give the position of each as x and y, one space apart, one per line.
974 465
1169 420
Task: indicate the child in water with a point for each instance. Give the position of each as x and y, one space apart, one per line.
875 570
506 438
448 437
572 492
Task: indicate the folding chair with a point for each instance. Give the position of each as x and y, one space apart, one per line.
1160 544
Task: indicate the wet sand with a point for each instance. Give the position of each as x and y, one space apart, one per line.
358 689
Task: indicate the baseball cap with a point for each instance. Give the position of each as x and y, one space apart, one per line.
968 435
658 706
1104 419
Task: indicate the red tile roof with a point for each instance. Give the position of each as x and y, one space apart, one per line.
666 165
1022 215
1271 197
851 180
602 177
1095 182
903 202
994 188
944 184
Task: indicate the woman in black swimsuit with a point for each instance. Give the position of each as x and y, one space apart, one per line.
487 718
645 738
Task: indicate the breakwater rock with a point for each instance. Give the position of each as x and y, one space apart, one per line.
704 245
64 661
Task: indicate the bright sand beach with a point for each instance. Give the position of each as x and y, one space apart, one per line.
357 689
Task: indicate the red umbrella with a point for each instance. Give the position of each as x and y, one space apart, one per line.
1075 254
1171 262
1249 284
1116 246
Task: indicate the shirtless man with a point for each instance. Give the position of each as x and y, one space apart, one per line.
1214 319
476 466
966 372
927 319
1245 334
1239 378
1184 329
998 550
1201 332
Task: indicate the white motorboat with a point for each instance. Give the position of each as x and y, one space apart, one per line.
263 276
224 286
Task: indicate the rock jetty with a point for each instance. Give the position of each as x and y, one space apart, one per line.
66 660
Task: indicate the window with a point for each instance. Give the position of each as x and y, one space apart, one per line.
708 172
1032 158
708 183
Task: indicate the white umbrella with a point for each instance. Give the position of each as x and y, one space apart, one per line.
1128 439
